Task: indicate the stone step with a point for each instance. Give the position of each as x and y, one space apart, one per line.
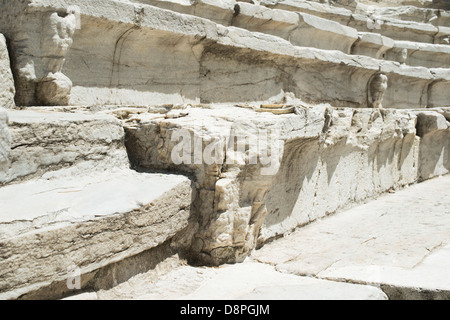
301 29
420 54
308 30
322 160
437 4
219 11
84 206
71 227
399 242
204 66
436 17
389 27
42 140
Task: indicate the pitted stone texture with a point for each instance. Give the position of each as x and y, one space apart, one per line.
7 89
54 90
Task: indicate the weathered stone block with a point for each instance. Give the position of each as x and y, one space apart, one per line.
43 141
5 138
70 227
7 89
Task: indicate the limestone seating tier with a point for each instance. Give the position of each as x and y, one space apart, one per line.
420 54
311 31
308 29
436 17
434 4
84 206
394 28
43 141
85 222
136 62
409 10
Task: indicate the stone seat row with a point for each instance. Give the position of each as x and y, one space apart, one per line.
436 17
390 27
309 29
224 11
168 57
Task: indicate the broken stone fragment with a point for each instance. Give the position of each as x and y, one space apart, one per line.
54 90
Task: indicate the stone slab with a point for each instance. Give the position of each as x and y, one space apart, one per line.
85 221
246 281
399 242
206 63
44 140
7 89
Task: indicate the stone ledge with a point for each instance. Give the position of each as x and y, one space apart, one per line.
393 28
88 222
195 72
300 29
329 159
43 141
398 242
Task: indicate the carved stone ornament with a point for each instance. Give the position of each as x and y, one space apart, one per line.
378 84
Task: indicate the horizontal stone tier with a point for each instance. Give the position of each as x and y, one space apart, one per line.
291 169
436 4
75 226
436 17
302 28
42 141
154 56
389 27
306 30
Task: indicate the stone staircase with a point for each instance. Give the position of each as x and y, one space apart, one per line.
353 95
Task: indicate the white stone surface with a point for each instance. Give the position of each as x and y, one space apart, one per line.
328 159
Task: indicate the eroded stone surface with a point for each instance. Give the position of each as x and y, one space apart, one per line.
7 89
212 63
398 240
43 141
327 159
84 222
246 281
